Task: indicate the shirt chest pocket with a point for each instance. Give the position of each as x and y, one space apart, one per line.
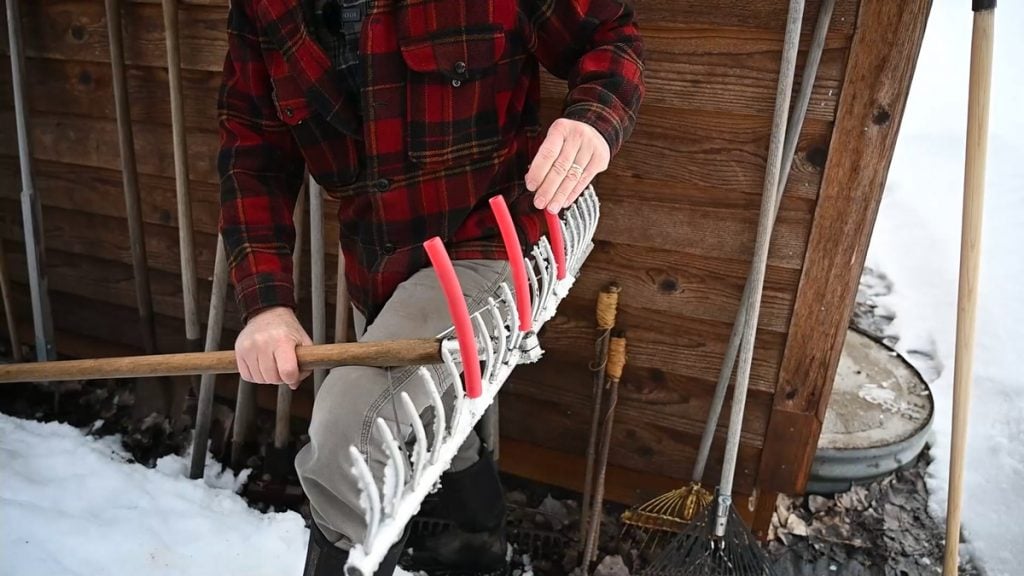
452 87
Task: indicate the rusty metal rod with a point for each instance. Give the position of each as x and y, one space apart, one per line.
607 307
615 364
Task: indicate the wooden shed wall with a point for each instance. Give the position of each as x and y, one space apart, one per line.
680 206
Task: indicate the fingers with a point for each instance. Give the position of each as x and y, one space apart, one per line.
268 368
597 163
572 154
305 341
563 195
287 366
560 168
542 162
243 367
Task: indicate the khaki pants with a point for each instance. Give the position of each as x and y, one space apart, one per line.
353 397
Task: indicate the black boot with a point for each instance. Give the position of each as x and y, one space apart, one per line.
474 501
325 559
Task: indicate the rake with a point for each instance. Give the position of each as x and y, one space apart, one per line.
721 544
486 347
672 511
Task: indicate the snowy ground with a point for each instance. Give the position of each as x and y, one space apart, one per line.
75 505
916 243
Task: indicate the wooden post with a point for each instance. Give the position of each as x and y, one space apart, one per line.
979 96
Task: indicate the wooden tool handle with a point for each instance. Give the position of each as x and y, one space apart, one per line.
970 256
389 353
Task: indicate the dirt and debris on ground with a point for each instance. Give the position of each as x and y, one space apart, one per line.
882 528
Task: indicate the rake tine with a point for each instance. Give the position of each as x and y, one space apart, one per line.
552 273
393 470
546 270
534 283
440 416
576 221
595 212
540 278
488 348
371 495
418 459
499 326
513 310
460 395
571 242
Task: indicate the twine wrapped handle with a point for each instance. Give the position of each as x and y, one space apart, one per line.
607 306
616 356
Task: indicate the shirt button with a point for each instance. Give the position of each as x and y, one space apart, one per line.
460 67
289 112
382 184
456 83
387 249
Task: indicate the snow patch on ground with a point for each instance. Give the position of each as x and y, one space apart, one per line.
75 505
916 243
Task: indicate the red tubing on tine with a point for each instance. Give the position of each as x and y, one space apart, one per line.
557 242
459 312
515 261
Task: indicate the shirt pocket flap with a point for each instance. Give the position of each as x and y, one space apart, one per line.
292 105
459 54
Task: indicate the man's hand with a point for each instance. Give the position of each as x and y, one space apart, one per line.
265 349
570 156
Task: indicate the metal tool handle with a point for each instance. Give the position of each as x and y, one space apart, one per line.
769 202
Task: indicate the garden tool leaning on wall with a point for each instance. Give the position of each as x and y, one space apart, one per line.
719 543
615 362
670 512
607 309
480 350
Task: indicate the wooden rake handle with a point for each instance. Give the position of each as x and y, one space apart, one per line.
388 353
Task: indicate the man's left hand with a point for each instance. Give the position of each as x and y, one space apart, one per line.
570 156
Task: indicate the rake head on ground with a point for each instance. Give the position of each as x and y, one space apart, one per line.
697 551
669 513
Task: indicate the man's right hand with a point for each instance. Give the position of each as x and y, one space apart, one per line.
265 349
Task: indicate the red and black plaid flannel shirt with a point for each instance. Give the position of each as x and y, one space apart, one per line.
448 118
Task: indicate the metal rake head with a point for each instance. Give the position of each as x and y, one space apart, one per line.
494 339
668 513
698 551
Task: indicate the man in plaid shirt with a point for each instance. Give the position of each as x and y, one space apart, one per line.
412 113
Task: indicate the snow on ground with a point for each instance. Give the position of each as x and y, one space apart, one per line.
916 243
74 505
